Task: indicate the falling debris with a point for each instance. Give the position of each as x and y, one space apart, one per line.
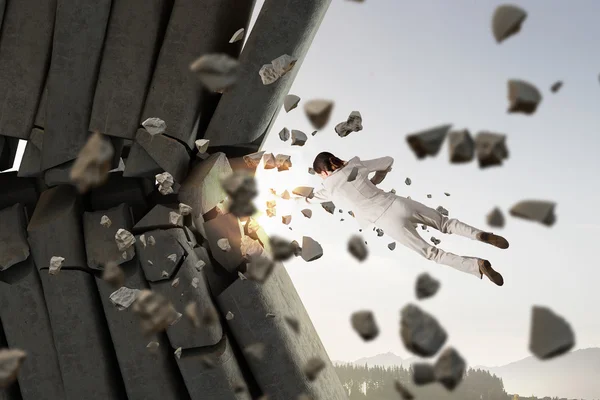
271 212
270 315
428 142
184 209
155 311
10 364
175 218
270 73
229 316
113 274
423 373
364 324
155 126
153 346
202 145
151 240
124 297
314 133
199 265
353 124
380 232
407 181
165 183
461 146
255 350
435 241
328 206
299 138
290 102
313 368
175 282
353 174
304 191
267 74
318 112
550 334
242 276
217 72
556 86
260 268
402 391
392 246
237 36
426 286
191 312
195 283
241 189
429 196
421 333
93 163
449 368
178 353
252 160
284 135
286 219
124 239
535 210
311 249
164 274
105 221
523 97
283 162
507 21
293 323
495 218
357 248
446 194
393 191
55 265
311 171
491 149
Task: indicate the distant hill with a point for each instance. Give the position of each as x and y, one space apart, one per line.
574 375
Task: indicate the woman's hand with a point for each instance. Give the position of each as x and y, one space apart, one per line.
380 176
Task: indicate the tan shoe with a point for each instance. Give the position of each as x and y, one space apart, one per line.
492 239
485 268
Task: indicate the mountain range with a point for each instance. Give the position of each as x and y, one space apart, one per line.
575 375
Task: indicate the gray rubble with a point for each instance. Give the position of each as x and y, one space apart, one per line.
435 241
556 86
113 274
392 246
428 142
93 162
10 363
491 149
290 102
156 313
124 239
461 146
284 135
237 36
380 232
102 242
353 174
449 368
269 161
357 248
363 323
304 191
299 138
283 162
217 72
407 181
165 183
495 218
423 373
241 189
202 145
535 210
124 297
421 333
311 249
507 21
155 126
56 263
328 206
550 334
352 124
318 112
523 97
426 286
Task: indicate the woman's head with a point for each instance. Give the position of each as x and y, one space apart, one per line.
325 163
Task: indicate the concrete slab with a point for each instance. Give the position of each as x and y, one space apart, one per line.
225 226
13 238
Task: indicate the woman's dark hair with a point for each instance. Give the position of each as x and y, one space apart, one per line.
326 161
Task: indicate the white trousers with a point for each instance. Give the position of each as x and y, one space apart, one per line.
399 222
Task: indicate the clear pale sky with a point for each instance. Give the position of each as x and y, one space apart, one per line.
410 65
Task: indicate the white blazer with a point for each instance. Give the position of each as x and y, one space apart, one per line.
368 202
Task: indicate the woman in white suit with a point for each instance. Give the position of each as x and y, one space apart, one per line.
349 182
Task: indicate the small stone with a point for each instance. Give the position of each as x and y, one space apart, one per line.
283 162
461 146
424 227
269 161
124 255
285 195
364 324
426 286
268 75
311 249
353 124
242 276
284 135
155 126
535 210
113 274
428 142
164 274
392 246
260 268
449 368
491 149
241 189
402 391
155 311
495 218
217 72
124 239
151 240
314 133
175 218
165 183
93 163
523 97
175 282
435 241
223 244
556 86
429 196
313 368
195 283
299 138
202 145
318 112
256 350
311 171
10 364
408 181
283 64
178 353
421 333
293 323
153 346
271 212
105 221
282 249
237 36
357 248
199 265
250 247
393 191
507 21
229 316
380 232
55 265
210 316
124 297
442 210
550 334
184 209
270 315
286 219
252 160
423 373
191 312
328 206
353 174
290 102
351 214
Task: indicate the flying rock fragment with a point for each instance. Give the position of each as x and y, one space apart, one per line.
318 112
421 333
523 97
177 352
353 174
407 181
191 312
259 268
550 334
353 124
427 142
175 282
237 36
105 221
435 241
284 135
241 189
223 244
461 146
199 265
93 163
267 74
113 274
311 249
202 145
153 346
535 210
392 246
328 206
311 171
283 162
426 286
286 219
380 232
252 160
449 368
357 248
184 209
363 322
299 138
507 21
229 316
165 183
155 312
495 218
217 72
556 86
313 368
155 126
429 196
55 265
282 249
446 194
285 195
124 297
491 149
442 211
402 391
270 73
423 373
124 239
290 102
10 364
175 218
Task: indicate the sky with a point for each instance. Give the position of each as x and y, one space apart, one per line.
411 65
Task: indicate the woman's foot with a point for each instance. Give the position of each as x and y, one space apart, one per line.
492 239
485 268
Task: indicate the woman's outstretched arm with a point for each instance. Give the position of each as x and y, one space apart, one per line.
381 167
